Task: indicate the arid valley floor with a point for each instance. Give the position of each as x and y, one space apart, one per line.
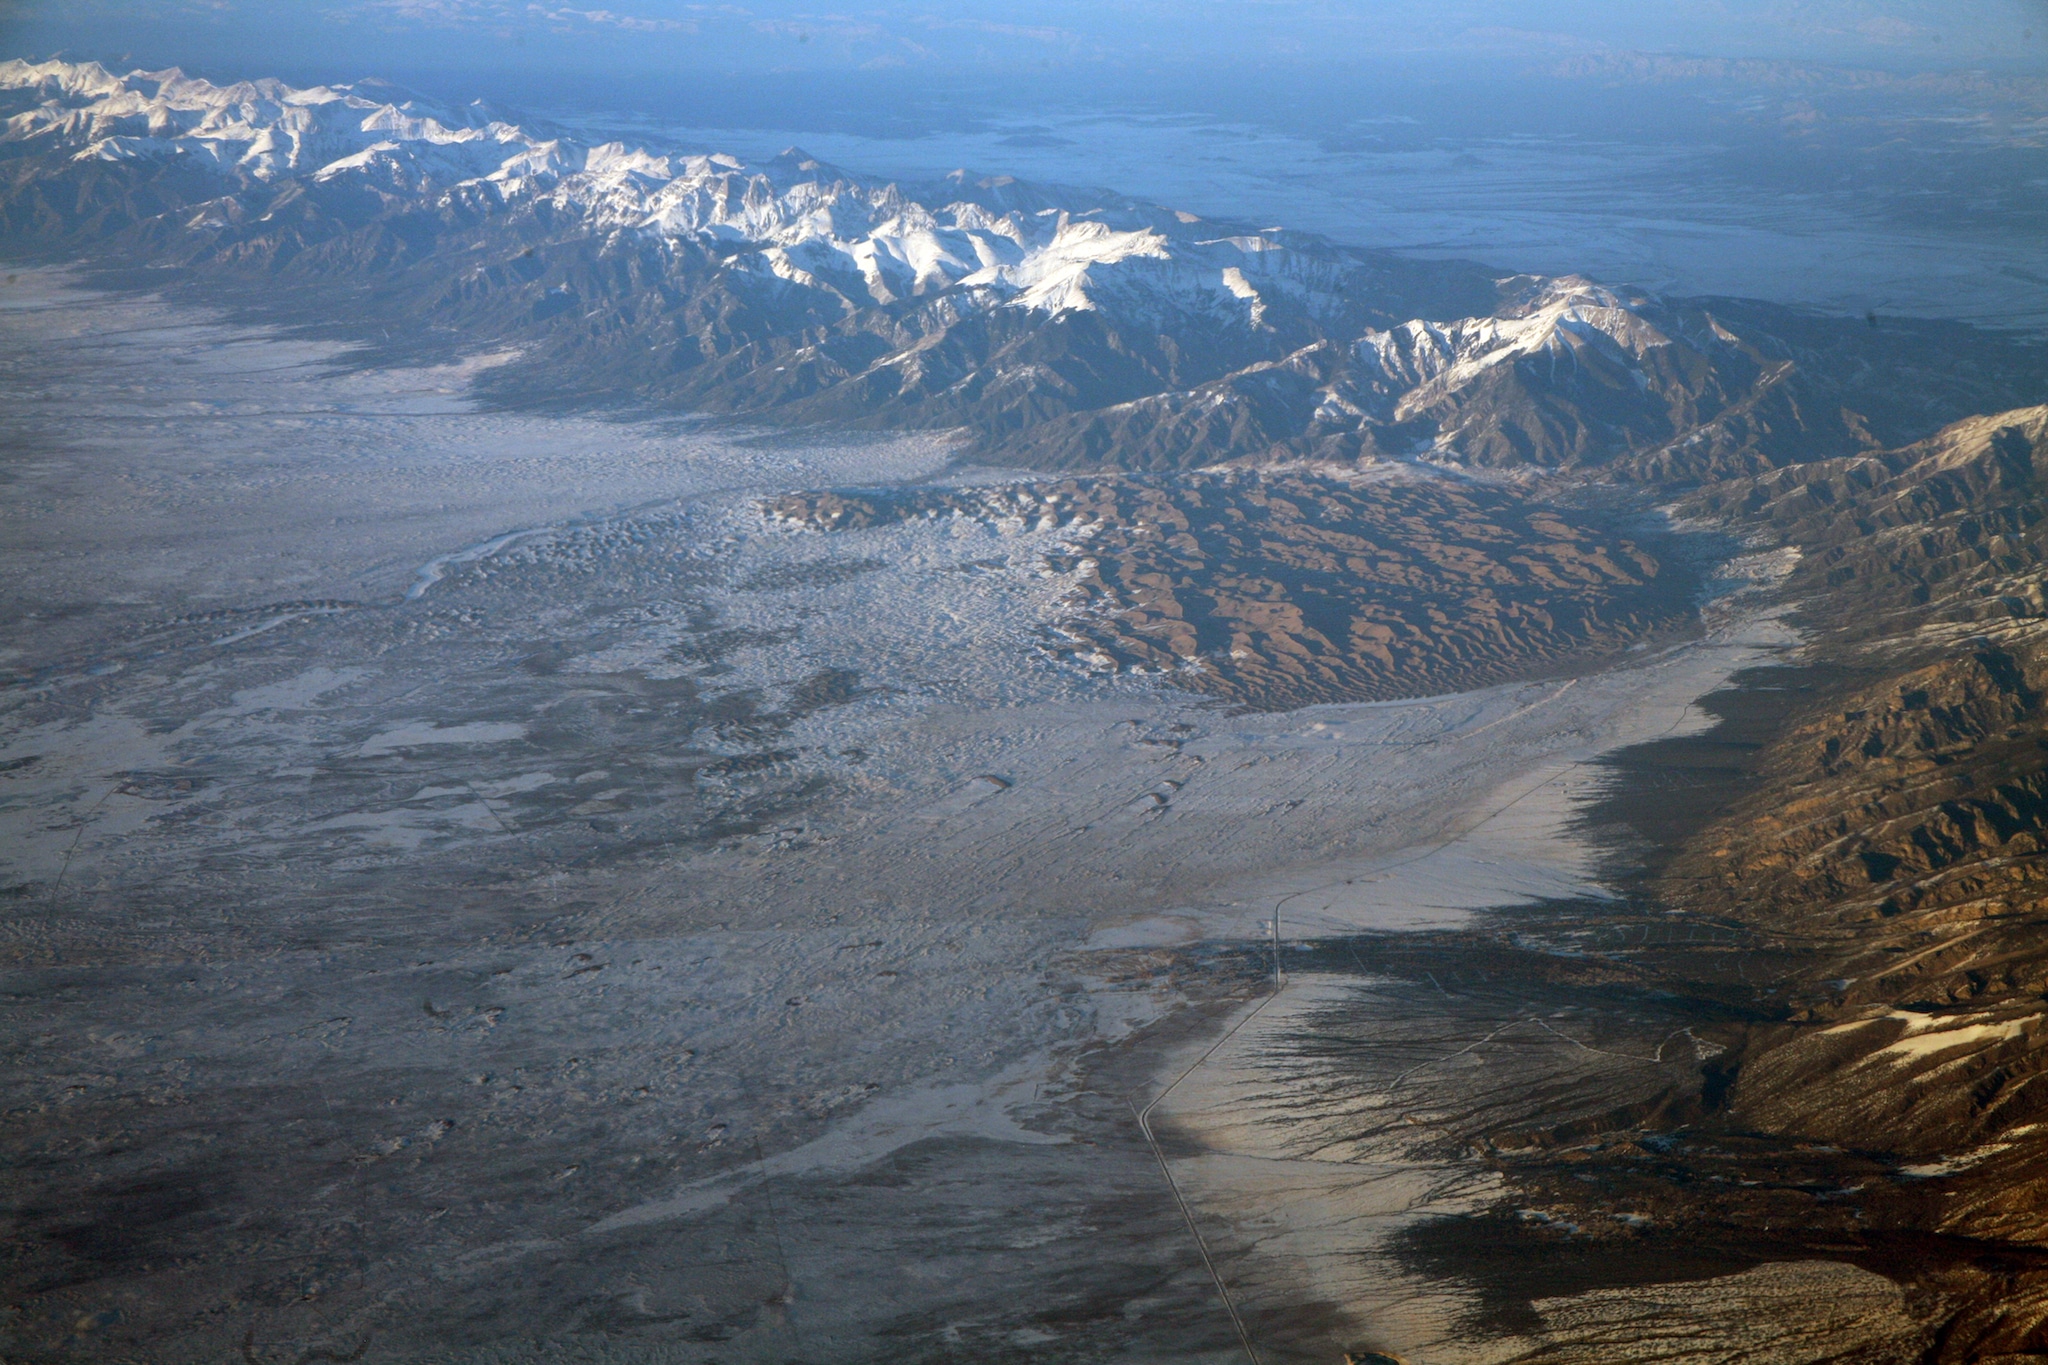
587 918
622 744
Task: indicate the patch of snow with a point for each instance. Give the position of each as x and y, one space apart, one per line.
423 734
1922 1036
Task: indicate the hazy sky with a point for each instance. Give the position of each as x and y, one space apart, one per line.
353 36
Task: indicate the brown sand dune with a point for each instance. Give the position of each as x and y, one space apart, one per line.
1283 588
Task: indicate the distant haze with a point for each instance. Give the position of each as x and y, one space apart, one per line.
645 36
1848 154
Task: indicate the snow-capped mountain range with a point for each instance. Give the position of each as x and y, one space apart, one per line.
262 129
1053 325
811 222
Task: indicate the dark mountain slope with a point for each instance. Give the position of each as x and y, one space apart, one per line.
1053 328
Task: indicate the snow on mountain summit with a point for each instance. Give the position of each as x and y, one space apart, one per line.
813 223
262 129
1064 326
1568 322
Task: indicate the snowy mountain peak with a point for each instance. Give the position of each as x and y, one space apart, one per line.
814 223
1574 328
262 129
971 300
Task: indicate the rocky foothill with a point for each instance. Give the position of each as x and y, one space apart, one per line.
1866 913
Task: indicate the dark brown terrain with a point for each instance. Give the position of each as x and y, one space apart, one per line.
1275 589
1864 904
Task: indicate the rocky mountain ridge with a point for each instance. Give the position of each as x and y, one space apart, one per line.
1052 327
